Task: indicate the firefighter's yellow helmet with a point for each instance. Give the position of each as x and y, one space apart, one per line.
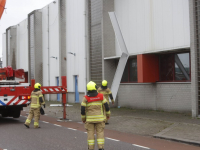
37 86
91 86
104 83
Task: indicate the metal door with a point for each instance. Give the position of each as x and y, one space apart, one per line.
58 95
76 90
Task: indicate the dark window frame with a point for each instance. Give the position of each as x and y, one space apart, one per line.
174 80
128 63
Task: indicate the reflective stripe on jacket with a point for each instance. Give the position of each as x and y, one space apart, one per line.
35 102
95 110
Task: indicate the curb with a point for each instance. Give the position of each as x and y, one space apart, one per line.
178 140
162 136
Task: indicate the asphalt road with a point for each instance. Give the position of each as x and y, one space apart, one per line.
15 136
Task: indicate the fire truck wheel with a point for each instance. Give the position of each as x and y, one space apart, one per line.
16 114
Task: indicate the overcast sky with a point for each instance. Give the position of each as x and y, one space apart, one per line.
16 11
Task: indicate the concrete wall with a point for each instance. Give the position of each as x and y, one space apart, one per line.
159 96
109 71
71 97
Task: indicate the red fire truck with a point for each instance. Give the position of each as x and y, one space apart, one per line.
15 91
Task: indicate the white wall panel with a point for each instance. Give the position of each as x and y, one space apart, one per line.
54 45
185 21
76 44
22 46
153 25
4 50
157 25
168 23
178 22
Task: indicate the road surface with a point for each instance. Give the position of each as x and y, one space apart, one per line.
71 135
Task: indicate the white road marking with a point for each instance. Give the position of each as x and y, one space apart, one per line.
111 139
45 122
85 132
71 129
4 149
70 120
140 146
57 125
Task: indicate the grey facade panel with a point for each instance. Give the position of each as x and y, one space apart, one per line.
35 46
38 48
95 25
108 32
63 37
195 55
11 34
8 47
32 47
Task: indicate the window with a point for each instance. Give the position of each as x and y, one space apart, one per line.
175 67
130 71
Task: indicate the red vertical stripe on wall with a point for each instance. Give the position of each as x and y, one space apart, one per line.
148 68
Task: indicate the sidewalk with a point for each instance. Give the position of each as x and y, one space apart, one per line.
172 126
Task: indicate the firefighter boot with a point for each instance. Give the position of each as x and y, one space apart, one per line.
26 126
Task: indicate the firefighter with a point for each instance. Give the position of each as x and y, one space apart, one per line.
94 111
106 93
37 100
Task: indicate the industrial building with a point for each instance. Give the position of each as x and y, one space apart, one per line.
158 69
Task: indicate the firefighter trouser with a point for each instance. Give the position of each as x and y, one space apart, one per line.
109 107
99 127
34 112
